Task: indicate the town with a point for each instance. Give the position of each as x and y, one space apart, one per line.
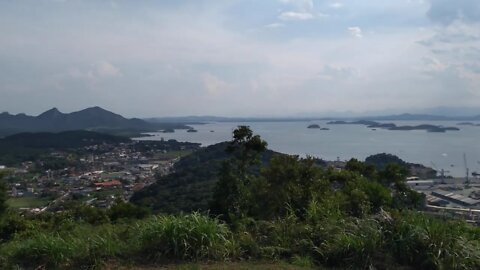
95 175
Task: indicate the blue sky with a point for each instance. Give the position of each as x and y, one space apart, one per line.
239 58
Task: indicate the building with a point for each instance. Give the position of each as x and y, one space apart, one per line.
456 198
109 184
416 184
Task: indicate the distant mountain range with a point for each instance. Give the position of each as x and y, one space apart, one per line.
423 117
101 120
94 118
396 117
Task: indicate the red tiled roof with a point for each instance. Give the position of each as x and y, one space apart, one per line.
112 183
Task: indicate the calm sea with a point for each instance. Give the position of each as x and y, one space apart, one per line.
444 150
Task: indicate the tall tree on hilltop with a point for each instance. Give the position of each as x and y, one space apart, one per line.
231 192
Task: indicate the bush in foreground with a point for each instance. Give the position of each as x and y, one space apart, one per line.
187 237
160 238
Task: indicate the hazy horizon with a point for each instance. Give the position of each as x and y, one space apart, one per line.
272 58
437 111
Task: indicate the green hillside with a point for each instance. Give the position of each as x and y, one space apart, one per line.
191 186
29 146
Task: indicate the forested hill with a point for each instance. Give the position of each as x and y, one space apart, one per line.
66 139
29 146
190 187
94 118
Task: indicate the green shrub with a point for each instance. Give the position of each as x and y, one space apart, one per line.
12 224
186 237
321 211
248 245
49 250
83 246
89 214
277 239
431 243
302 261
356 244
125 210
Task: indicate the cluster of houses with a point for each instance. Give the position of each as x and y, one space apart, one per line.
98 177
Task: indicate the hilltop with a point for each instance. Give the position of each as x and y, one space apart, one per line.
191 185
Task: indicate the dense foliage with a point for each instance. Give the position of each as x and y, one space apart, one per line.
191 185
3 195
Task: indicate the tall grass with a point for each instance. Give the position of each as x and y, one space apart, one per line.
84 246
403 238
48 250
187 237
166 238
356 242
431 243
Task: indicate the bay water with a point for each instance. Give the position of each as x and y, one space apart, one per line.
438 150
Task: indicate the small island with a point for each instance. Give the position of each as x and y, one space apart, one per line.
168 130
324 129
314 126
192 130
390 126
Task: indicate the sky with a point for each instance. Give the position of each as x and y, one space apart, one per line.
239 58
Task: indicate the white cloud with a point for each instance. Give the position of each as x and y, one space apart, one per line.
322 15
274 25
207 61
355 31
336 5
337 73
105 69
433 64
447 11
454 54
303 5
214 85
96 72
295 16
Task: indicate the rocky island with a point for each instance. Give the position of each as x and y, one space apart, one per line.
392 126
168 130
314 126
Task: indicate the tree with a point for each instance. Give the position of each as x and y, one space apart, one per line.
246 147
231 195
125 210
394 174
367 170
403 197
288 182
381 161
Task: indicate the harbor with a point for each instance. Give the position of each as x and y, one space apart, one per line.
451 197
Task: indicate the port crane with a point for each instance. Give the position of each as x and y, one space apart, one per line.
442 172
467 181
